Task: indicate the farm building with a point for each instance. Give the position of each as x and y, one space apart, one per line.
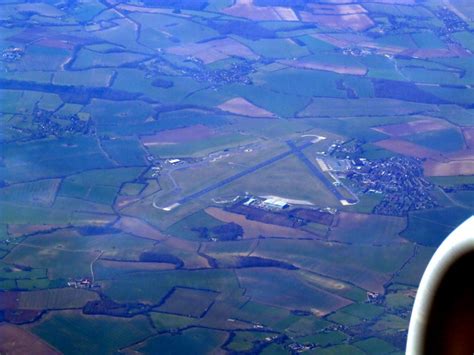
275 203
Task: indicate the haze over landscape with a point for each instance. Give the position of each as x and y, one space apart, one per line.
228 176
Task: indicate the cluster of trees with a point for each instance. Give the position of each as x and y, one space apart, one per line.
223 232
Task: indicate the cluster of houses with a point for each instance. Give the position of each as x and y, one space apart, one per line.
83 282
12 54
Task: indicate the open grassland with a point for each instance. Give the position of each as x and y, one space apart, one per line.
326 65
446 141
199 148
247 9
165 321
331 107
375 346
324 339
334 286
431 227
66 298
279 179
412 272
245 341
276 48
340 349
64 211
187 251
188 302
39 193
96 94
188 228
451 180
92 77
201 340
214 50
234 247
408 148
179 135
60 263
111 269
87 58
465 198
151 287
366 266
450 168
241 106
61 329
68 254
301 82
354 21
132 189
278 319
124 152
284 289
139 228
17 273
416 126
51 158
367 229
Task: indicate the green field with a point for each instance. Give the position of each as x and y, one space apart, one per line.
165 322
430 228
202 341
331 107
364 266
152 287
445 141
286 290
199 148
324 339
66 298
188 302
188 227
246 341
93 77
375 346
66 328
412 271
367 229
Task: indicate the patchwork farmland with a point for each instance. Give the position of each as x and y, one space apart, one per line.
248 176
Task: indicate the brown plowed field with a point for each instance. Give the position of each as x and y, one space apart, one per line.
335 68
240 106
410 149
342 9
469 137
215 50
246 9
354 22
15 340
413 127
450 168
